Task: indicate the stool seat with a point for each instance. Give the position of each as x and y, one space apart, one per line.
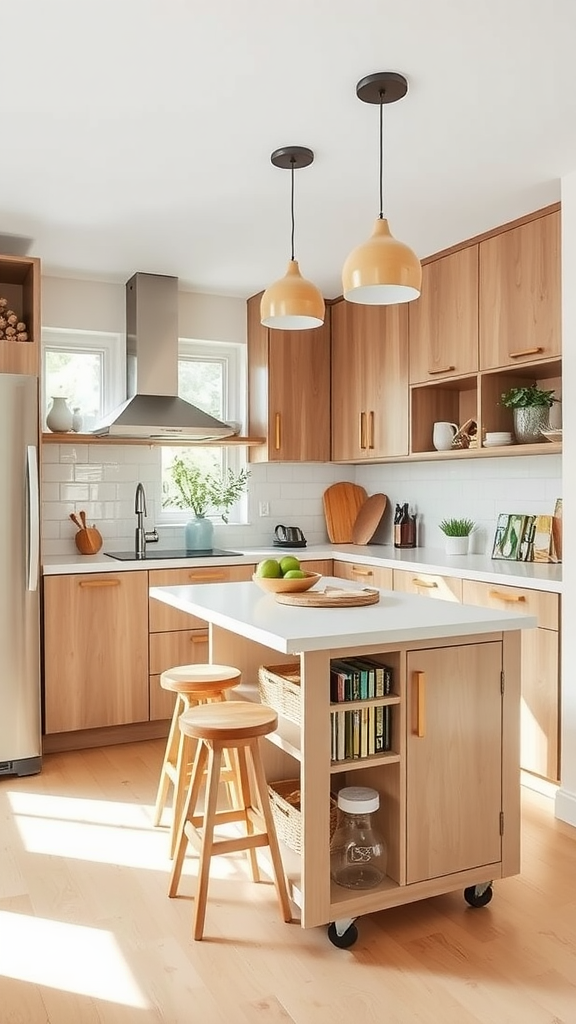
220 728
192 685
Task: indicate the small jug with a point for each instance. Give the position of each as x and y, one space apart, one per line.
443 434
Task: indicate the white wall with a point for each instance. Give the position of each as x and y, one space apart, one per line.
566 796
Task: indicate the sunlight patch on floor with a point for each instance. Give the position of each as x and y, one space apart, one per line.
69 957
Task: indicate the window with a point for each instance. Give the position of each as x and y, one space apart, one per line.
86 368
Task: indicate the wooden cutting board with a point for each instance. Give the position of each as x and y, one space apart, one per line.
331 597
368 518
342 503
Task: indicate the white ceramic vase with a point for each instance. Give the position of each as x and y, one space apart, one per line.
59 419
456 545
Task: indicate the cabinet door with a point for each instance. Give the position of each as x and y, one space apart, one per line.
454 759
369 575
95 650
444 320
520 294
442 588
369 381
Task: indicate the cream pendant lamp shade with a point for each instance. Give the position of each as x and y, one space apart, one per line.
382 271
292 303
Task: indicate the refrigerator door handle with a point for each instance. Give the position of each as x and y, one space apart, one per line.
33 517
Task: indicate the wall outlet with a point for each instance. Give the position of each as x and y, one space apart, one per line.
264 508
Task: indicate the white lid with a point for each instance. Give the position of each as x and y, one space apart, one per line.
358 800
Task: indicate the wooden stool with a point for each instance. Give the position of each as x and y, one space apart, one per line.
192 684
232 725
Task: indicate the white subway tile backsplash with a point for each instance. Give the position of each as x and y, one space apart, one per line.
56 472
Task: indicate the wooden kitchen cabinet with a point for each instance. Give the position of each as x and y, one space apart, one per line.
520 299
443 322
20 285
441 588
177 638
369 381
368 575
95 650
288 390
540 707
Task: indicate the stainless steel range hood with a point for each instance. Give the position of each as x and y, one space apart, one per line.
153 408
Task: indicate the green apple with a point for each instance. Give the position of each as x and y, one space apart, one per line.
289 562
269 568
294 574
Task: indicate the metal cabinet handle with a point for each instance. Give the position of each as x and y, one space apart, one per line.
277 432
362 425
442 369
420 704
525 352
509 598
362 572
429 584
207 577
371 429
99 583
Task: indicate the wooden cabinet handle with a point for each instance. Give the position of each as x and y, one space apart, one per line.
510 598
420 704
371 429
430 584
362 572
525 352
199 639
99 583
362 425
207 577
277 432
443 369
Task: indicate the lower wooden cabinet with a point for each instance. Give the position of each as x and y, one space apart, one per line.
540 707
369 575
441 588
177 638
95 650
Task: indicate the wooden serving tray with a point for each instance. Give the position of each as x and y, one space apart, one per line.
331 597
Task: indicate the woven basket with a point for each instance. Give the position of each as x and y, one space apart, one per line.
285 803
279 688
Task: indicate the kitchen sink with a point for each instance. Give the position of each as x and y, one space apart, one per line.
131 556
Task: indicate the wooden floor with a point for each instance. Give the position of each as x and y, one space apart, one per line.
88 935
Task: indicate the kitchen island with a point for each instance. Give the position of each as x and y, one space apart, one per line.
449 782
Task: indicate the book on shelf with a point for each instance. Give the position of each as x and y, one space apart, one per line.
360 732
359 679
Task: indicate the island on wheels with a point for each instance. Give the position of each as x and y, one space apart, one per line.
447 773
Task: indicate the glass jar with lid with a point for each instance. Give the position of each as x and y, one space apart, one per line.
358 854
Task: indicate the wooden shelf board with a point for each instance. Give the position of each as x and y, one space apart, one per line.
367 702
72 438
351 763
506 452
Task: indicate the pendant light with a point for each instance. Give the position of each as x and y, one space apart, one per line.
292 303
381 271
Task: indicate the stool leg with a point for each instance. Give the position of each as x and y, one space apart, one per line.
278 867
214 762
183 776
246 798
189 807
169 758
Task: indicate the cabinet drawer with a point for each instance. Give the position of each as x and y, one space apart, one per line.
370 575
163 617
543 605
321 565
161 701
182 647
442 588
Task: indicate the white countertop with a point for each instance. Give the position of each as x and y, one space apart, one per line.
244 609
531 575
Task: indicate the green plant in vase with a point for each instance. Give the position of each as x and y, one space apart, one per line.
530 410
457 532
204 493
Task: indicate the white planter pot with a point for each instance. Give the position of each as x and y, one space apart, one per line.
456 545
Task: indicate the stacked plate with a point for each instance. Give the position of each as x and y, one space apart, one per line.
495 439
552 433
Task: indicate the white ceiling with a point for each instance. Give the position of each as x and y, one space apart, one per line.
136 134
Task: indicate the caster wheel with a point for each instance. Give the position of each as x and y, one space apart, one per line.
343 941
478 901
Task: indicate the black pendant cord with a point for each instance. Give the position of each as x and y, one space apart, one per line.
292 209
381 216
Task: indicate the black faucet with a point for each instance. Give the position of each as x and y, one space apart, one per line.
142 537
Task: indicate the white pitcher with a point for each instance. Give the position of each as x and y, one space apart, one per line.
443 435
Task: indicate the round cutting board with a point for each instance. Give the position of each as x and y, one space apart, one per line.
368 518
331 597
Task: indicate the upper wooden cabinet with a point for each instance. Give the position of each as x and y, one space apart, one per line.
288 390
444 320
520 316
369 381
20 286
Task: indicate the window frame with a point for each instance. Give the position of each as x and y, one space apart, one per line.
106 343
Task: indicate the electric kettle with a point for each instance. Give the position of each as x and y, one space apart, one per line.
289 537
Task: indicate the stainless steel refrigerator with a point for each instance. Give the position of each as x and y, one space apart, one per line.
20 715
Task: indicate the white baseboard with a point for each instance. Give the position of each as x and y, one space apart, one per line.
565 806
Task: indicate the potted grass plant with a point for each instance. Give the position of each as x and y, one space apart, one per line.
456 533
530 410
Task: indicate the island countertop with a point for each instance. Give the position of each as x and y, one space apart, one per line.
244 609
